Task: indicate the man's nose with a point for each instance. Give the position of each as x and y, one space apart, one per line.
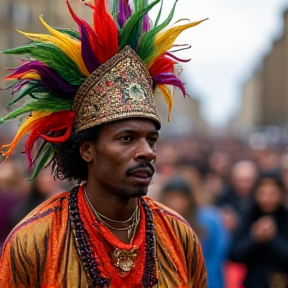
144 151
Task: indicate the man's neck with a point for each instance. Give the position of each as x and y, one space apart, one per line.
110 205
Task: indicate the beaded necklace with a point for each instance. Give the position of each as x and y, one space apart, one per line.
89 258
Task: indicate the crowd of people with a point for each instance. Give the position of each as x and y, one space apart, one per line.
233 195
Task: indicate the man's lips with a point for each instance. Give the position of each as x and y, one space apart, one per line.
142 176
142 173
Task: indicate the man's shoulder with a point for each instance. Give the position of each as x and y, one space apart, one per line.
41 218
38 235
166 212
170 227
55 203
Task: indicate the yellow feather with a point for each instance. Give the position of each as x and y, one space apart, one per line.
31 75
39 114
23 129
164 40
168 98
171 34
69 46
70 42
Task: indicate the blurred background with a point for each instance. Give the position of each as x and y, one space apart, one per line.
223 160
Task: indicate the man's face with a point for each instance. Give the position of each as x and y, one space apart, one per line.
123 156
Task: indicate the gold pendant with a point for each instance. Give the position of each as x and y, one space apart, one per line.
124 260
130 232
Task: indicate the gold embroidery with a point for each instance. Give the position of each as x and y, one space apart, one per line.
120 88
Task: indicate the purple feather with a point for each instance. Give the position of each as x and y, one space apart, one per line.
146 24
51 80
169 54
169 79
124 12
88 56
19 85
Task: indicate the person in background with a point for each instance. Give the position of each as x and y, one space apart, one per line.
41 189
261 239
13 189
205 221
236 198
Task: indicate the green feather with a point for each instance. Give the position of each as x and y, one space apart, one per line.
53 57
147 47
41 149
140 4
159 14
28 89
42 159
47 103
132 27
114 10
71 32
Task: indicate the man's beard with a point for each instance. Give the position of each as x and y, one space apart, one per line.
133 193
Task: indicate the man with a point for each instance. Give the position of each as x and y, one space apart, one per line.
236 198
103 134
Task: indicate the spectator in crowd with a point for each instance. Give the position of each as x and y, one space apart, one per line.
219 162
261 239
206 222
13 189
42 188
237 196
191 172
268 158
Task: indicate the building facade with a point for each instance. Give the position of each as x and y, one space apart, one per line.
265 93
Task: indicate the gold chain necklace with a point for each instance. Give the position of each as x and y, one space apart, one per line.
115 221
122 259
131 229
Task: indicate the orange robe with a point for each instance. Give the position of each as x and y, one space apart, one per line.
41 251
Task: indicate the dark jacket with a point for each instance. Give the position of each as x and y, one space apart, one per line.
268 262
229 198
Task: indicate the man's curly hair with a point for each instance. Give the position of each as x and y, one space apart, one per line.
67 162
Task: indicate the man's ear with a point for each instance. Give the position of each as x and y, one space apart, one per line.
86 151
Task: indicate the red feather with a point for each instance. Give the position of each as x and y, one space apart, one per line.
54 123
162 65
93 39
106 31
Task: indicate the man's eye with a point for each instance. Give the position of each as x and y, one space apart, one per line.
127 138
152 141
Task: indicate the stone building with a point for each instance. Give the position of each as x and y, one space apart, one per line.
265 93
186 117
24 15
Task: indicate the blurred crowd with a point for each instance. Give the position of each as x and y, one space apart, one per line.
233 195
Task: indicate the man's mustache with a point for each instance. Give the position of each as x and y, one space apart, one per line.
140 166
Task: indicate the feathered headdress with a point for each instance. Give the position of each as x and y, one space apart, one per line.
63 67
